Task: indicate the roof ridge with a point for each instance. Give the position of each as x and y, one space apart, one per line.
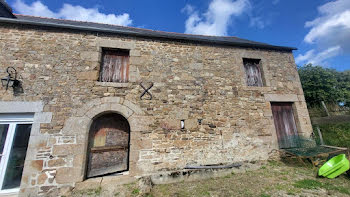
122 26
139 32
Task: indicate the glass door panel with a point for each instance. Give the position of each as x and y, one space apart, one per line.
3 134
15 164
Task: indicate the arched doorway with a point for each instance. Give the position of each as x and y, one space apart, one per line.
109 144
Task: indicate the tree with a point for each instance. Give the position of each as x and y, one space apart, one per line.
322 84
344 86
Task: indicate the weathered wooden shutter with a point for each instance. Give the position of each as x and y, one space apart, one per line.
108 145
115 66
253 72
286 129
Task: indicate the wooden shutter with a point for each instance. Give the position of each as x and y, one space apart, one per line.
253 72
115 66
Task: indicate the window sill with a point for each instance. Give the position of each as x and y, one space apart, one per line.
113 84
262 88
9 192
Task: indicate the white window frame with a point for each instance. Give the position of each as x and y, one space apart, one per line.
12 120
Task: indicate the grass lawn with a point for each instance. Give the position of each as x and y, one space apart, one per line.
272 179
336 134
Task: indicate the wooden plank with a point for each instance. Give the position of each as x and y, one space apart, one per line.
325 108
115 66
108 148
320 135
340 148
253 72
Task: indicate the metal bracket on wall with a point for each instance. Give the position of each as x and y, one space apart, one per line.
146 91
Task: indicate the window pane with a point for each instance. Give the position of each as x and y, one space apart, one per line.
3 134
17 156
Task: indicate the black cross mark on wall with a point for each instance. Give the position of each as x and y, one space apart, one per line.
146 91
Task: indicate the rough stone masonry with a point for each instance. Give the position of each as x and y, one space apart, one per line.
203 84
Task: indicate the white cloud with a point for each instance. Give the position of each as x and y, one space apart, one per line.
216 19
258 22
313 57
306 57
71 12
329 32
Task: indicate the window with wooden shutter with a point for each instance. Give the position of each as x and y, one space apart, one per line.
253 72
115 66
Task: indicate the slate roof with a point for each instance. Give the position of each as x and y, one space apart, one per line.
131 31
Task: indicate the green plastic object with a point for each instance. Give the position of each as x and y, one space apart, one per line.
334 167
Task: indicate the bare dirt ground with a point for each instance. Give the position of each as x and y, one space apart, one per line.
271 179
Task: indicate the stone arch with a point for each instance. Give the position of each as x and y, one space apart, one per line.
108 145
79 125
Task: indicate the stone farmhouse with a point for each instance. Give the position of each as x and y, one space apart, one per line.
80 101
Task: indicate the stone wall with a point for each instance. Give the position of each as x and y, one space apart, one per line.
204 85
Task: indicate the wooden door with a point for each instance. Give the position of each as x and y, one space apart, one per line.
108 145
286 129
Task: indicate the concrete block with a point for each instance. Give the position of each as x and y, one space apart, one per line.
20 107
43 117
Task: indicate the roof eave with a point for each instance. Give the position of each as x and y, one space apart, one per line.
139 34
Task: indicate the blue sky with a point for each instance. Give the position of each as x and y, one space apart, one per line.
320 29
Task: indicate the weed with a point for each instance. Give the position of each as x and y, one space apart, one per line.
265 195
205 193
313 184
135 191
274 163
308 184
91 192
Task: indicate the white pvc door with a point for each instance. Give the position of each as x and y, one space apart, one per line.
14 136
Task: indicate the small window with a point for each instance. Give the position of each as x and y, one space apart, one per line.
115 66
253 72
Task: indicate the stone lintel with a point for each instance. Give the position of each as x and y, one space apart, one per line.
117 44
113 84
281 97
20 107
